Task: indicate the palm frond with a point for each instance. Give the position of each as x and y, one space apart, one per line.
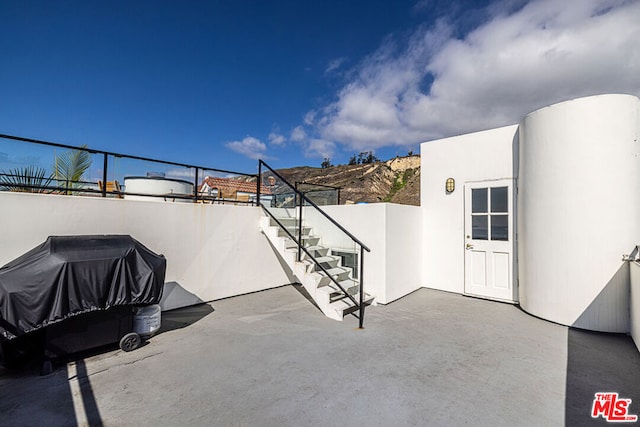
69 167
27 179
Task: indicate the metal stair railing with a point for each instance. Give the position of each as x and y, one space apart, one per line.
290 203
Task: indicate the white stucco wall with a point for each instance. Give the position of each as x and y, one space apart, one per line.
212 251
393 267
403 250
578 207
634 302
473 157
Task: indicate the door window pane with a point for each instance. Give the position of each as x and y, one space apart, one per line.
479 227
500 227
499 199
478 200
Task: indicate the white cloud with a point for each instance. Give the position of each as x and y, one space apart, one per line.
251 147
298 134
276 138
320 148
309 118
334 64
439 85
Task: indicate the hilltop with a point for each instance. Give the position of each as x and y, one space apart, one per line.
396 180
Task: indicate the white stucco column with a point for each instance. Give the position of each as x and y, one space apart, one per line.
578 206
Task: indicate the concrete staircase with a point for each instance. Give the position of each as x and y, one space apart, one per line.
328 297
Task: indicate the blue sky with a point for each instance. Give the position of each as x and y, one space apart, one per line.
221 83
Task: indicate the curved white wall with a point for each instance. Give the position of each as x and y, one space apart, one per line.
578 205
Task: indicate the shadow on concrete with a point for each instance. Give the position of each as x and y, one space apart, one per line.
599 362
183 317
90 406
301 289
43 400
63 397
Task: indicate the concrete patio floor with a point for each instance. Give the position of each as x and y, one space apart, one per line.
272 359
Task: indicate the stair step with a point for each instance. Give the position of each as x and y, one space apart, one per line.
349 285
332 300
320 259
317 251
326 259
286 219
337 271
345 306
294 230
287 222
307 239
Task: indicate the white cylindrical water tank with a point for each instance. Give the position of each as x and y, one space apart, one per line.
578 201
172 190
147 320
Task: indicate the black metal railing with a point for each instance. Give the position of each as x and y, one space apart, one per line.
22 169
305 214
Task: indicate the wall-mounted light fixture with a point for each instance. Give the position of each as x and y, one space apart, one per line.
450 185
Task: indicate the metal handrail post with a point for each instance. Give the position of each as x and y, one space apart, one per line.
105 165
299 228
195 186
361 316
259 181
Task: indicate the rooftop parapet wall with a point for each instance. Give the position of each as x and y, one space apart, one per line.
212 251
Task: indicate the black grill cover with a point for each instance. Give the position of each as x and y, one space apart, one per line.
69 275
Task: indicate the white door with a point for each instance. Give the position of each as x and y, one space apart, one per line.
489 240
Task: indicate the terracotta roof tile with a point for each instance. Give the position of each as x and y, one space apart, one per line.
229 185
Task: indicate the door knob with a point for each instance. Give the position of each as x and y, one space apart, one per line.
469 246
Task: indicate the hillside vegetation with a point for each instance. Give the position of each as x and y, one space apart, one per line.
395 181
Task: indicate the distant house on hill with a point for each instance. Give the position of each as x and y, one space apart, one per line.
223 189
